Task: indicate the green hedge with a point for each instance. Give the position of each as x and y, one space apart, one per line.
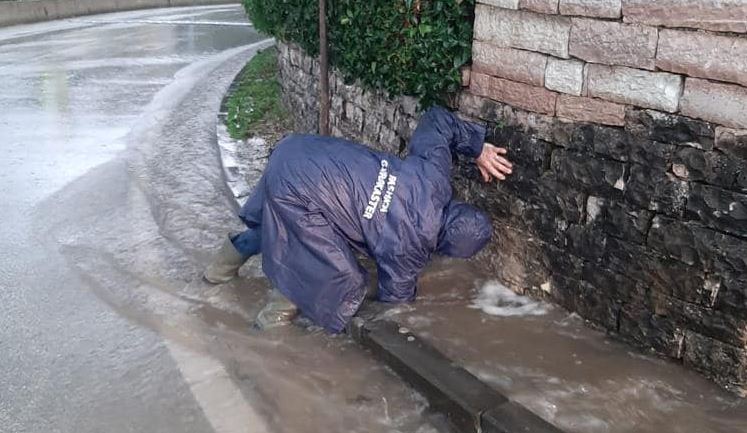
406 47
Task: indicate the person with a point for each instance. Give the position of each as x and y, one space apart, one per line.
322 199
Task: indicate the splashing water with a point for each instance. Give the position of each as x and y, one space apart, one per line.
498 300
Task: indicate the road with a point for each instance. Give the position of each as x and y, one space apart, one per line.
112 200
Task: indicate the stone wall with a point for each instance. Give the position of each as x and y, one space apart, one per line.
369 117
628 202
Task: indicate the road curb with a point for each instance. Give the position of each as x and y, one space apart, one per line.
234 171
468 403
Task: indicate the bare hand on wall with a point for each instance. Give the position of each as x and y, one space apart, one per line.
492 163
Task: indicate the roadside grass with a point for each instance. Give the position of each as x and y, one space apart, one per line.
254 107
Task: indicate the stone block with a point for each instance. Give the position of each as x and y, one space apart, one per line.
618 219
544 210
465 72
714 168
733 142
675 239
669 128
659 276
409 105
558 199
651 153
595 174
371 128
613 43
528 151
566 76
506 4
715 102
402 124
337 105
621 256
610 142
543 225
604 140
525 30
515 65
541 6
590 110
480 107
354 116
732 294
718 15
575 136
538 125
613 284
709 322
725 363
592 8
513 257
639 324
656 90
294 57
703 55
706 249
520 95
591 304
718 208
586 241
654 189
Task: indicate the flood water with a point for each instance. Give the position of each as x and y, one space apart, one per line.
549 360
114 201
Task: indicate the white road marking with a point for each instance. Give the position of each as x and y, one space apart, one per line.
221 400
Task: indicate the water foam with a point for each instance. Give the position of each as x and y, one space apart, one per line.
498 300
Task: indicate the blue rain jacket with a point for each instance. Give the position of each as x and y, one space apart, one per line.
321 199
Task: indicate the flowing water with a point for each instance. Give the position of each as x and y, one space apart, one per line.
549 360
142 248
128 202
114 188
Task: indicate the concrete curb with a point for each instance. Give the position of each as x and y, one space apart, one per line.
31 11
236 173
468 403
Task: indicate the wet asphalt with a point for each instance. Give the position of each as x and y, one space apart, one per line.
71 93
113 201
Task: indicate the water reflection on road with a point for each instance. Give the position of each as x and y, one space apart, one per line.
113 200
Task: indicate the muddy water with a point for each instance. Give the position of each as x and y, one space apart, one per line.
551 362
140 229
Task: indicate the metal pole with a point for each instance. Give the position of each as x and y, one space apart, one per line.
323 71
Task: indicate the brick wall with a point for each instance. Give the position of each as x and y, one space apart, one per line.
628 123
